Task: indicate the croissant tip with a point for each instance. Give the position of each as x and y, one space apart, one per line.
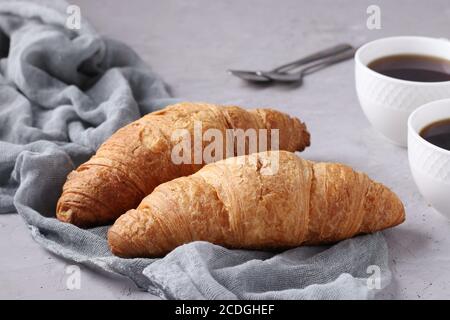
122 246
115 242
402 216
303 133
65 216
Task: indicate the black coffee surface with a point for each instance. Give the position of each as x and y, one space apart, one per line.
438 133
413 67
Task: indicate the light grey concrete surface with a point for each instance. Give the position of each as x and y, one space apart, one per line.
192 44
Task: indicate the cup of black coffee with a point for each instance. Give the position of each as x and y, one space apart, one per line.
394 76
429 152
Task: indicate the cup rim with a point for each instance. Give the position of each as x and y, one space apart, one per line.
382 76
417 135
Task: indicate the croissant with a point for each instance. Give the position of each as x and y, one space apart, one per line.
243 202
137 158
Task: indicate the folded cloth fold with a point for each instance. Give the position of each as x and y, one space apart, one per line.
62 93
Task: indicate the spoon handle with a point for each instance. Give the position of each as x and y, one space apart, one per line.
298 75
313 57
328 61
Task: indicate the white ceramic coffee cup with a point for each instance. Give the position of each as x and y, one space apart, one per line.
430 165
388 102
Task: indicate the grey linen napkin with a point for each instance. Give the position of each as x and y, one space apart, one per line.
62 93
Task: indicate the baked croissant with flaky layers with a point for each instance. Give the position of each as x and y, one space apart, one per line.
137 158
260 201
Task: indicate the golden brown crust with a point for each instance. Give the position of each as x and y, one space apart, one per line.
235 203
137 158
